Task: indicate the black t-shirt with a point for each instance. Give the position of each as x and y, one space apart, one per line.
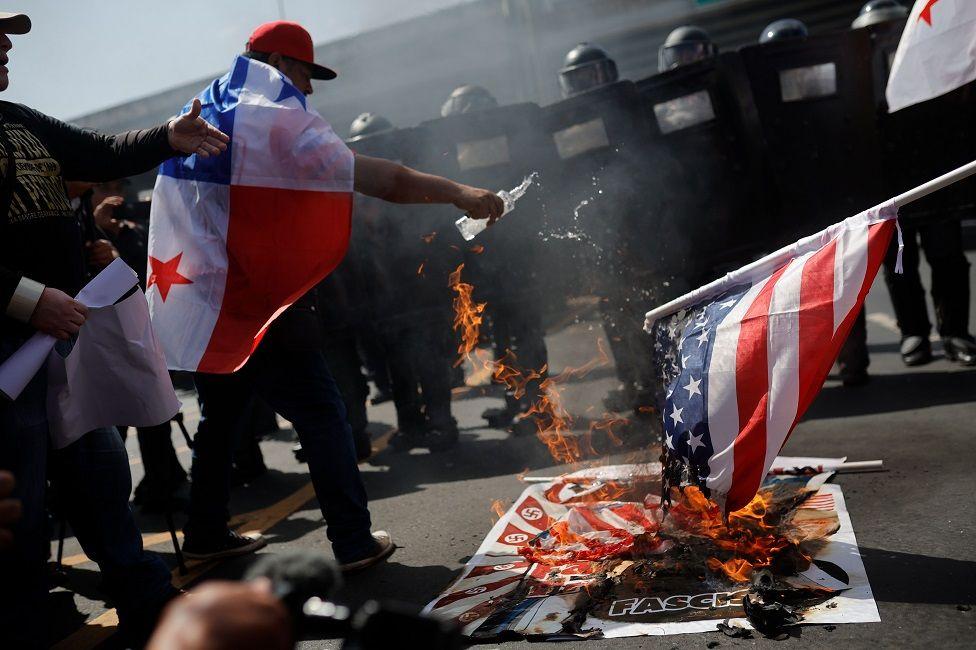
40 237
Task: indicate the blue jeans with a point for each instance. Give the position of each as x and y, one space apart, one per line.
297 384
92 482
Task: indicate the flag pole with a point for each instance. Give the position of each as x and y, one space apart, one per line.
785 254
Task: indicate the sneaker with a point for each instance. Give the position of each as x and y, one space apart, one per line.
231 544
916 350
384 549
960 349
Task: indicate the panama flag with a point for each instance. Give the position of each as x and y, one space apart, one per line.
936 53
744 357
235 239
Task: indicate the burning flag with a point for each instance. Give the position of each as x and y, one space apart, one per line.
219 272
745 356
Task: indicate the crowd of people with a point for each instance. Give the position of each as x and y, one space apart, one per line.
379 319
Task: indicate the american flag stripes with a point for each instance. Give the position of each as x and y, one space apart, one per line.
743 364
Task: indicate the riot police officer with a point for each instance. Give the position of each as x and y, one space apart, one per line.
936 233
782 30
684 46
879 11
468 99
586 67
501 277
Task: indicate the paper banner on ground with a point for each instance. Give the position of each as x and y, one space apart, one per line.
501 592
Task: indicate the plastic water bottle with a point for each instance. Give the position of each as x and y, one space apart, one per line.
471 228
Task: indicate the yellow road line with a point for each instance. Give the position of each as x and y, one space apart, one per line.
100 628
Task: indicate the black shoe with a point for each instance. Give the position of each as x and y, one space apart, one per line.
381 397
230 544
405 439
961 349
441 438
498 418
916 350
852 377
364 447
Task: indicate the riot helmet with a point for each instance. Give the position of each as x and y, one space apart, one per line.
684 46
468 99
586 67
879 11
782 30
368 124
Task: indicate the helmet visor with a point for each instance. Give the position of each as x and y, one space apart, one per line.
581 78
680 54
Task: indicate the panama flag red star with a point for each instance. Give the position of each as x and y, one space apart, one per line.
235 239
163 275
936 54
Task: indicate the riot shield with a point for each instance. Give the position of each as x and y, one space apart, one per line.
496 149
508 264
604 213
705 135
816 108
596 190
923 141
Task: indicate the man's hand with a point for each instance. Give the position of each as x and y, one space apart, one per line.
480 204
231 615
58 314
101 253
191 134
105 214
9 509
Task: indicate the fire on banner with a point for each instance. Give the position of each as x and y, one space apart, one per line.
745 357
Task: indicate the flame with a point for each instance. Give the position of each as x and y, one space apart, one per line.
429 237
747 534
477 249
468 315
498 508
420 269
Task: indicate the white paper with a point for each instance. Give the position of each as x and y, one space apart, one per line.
114 375
104 289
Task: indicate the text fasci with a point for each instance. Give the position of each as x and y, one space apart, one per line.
654 605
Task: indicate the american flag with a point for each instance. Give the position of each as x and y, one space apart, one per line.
745 359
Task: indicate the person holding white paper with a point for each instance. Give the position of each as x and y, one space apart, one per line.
41 265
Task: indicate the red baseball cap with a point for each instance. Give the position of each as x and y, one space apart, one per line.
290 39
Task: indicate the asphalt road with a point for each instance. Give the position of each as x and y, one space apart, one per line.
915 522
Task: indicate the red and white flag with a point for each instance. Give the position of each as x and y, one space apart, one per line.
936 54
235 239
746 355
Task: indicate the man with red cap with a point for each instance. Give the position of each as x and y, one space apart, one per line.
287 369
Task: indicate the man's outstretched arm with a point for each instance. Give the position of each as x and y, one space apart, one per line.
396 183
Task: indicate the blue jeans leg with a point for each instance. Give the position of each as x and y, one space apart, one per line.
23 451
92 480
223 402
297 384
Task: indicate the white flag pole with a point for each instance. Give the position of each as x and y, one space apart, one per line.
785 254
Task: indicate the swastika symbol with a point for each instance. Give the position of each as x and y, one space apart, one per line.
467 617
476 590
516 538
502 567
532 513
